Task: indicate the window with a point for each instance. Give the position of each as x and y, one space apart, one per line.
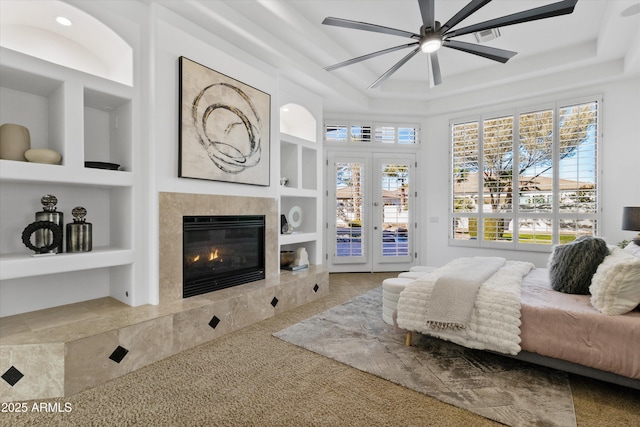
407 135
336 133
385 134
526 180
376 133
360 133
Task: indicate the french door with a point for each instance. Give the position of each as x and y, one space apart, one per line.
370 211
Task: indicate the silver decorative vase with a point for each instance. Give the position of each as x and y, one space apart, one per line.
79 232
44 238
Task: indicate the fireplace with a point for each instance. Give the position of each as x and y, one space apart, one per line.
222 251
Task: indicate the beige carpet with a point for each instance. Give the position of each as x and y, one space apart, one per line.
250 378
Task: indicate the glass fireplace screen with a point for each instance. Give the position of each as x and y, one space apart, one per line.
222 251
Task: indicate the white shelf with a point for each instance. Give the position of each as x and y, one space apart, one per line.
297 192
14 266
293 238
13 171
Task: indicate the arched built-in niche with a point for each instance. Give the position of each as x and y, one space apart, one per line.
86 45
298 121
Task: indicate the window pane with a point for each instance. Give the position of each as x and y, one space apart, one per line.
360 134
386 134
407 136
535 230
465 167
578 164
395 214
349 179
498 229
464 228
498 164
571 229
335 133
535 179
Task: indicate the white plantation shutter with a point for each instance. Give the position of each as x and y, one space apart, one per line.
385 134
536 151
535 177
360 133
578 164
464 160
407 135
365 133
497 176
335 133
497 154
578 129
536 188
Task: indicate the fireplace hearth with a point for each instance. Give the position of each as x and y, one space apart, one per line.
222 251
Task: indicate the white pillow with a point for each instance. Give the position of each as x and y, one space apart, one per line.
615 286
633 249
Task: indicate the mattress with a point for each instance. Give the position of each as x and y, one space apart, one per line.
567 327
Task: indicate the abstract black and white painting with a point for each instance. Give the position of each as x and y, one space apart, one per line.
224 127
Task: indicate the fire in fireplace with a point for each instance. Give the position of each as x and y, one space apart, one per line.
221 251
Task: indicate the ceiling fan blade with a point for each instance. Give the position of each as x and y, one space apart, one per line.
356 25
494 53
549 11
393 69
463 14
436 77
428 13
368 56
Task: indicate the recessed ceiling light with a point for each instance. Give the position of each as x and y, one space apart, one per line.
63 21
285 109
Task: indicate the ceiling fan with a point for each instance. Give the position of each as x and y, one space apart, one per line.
432 35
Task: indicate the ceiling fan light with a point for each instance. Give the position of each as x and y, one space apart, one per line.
430 44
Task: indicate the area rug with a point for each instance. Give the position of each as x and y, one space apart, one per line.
496 387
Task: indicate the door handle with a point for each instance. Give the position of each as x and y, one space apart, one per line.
376 204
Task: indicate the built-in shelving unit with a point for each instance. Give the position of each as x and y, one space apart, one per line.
85 118
300 164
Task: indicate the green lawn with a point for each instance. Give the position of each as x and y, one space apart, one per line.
539 238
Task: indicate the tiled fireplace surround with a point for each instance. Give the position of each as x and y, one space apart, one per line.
61 351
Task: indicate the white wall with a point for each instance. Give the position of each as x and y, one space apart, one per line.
620 151
172 37
176 37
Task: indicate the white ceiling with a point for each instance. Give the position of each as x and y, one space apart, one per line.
288 34
600 39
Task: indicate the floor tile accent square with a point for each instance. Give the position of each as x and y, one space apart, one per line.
118 354
12 376
214 322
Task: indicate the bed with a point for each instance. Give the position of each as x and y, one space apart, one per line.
557 329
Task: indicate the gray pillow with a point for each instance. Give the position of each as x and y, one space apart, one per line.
572 265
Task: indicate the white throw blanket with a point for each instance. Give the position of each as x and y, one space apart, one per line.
454 293
495 319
